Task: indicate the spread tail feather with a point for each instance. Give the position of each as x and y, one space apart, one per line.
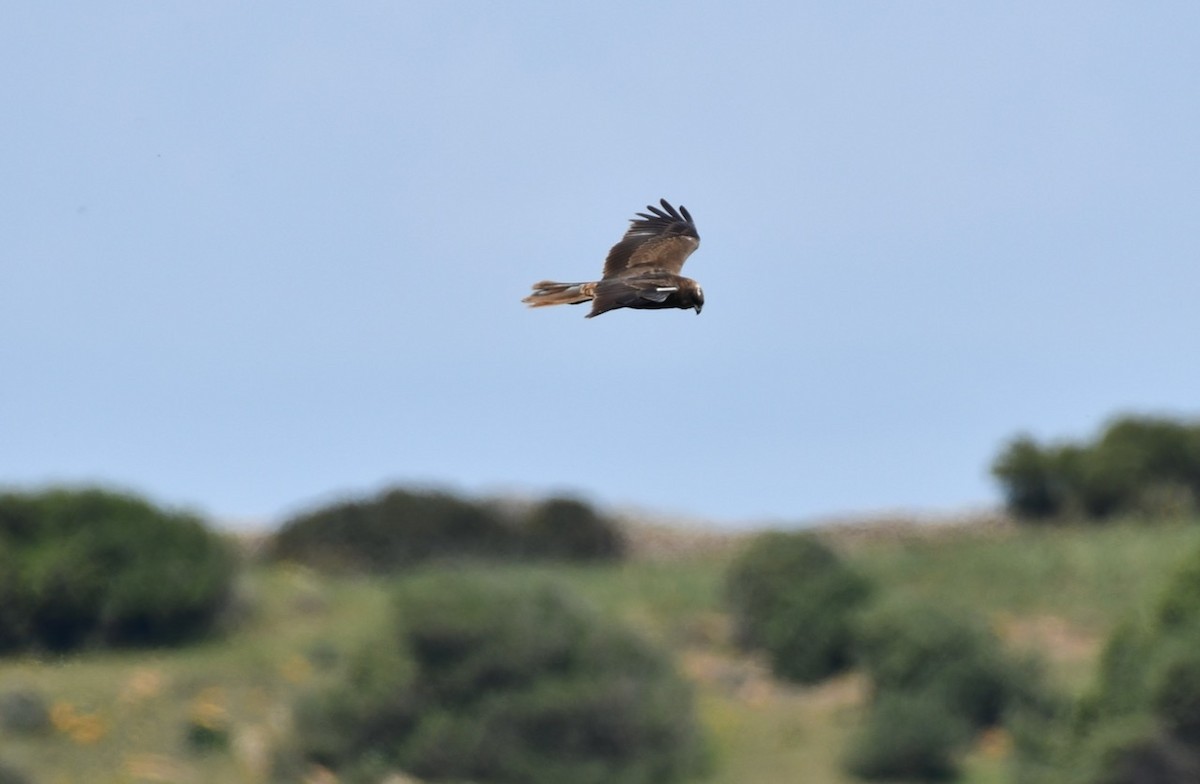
548 292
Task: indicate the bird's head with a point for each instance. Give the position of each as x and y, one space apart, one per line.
698 299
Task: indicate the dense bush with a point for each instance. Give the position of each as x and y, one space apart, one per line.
1152 666
908 736
82 567
570 529
399 528
491 681
1178 609
793 597
937 678
394 529
1031 477
1138 465
1140 721
918 648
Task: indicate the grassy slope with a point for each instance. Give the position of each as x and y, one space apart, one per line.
1057 591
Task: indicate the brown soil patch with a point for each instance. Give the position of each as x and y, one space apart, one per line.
748 679
665 539
657 541
1049 635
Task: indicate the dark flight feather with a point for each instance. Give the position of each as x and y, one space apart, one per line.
662 240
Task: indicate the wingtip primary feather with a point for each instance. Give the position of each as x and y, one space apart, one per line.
667 206
668 213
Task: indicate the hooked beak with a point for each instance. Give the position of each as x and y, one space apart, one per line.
698 306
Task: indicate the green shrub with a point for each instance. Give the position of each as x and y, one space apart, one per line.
1142 717
1028 475
937 678
395 529
11 775
793 597
1178 608
571 529
399 528
494 681
908 736
1150 667
1166 500
23 711
1122 681
1038 740
1174 690
96 567
1138 465
1153 448
1131 750
340 725
919 648
203 736
1140 721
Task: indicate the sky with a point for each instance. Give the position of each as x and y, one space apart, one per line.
258 256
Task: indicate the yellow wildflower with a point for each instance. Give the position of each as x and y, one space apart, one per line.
83 728
89 728
208 709
63 716
145 683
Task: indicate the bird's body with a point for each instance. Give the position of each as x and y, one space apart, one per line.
641 271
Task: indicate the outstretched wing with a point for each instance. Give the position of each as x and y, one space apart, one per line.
661 240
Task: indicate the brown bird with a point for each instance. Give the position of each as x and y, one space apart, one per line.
641 271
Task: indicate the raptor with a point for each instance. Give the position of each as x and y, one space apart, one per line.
641 271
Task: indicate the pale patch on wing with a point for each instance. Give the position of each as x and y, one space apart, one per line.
667 288
656 295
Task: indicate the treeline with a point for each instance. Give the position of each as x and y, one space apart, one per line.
84 568
399 528
476 677
1137 465
92 567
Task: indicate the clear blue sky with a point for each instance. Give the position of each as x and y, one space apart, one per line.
252 255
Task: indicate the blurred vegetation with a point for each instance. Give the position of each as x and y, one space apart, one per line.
321 660
938 678
401 528
1140 719
794 597
908 736
93 567
1138 465
11 775
569 529
907 647
23 711
492 680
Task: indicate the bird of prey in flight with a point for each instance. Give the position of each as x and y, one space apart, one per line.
641 271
